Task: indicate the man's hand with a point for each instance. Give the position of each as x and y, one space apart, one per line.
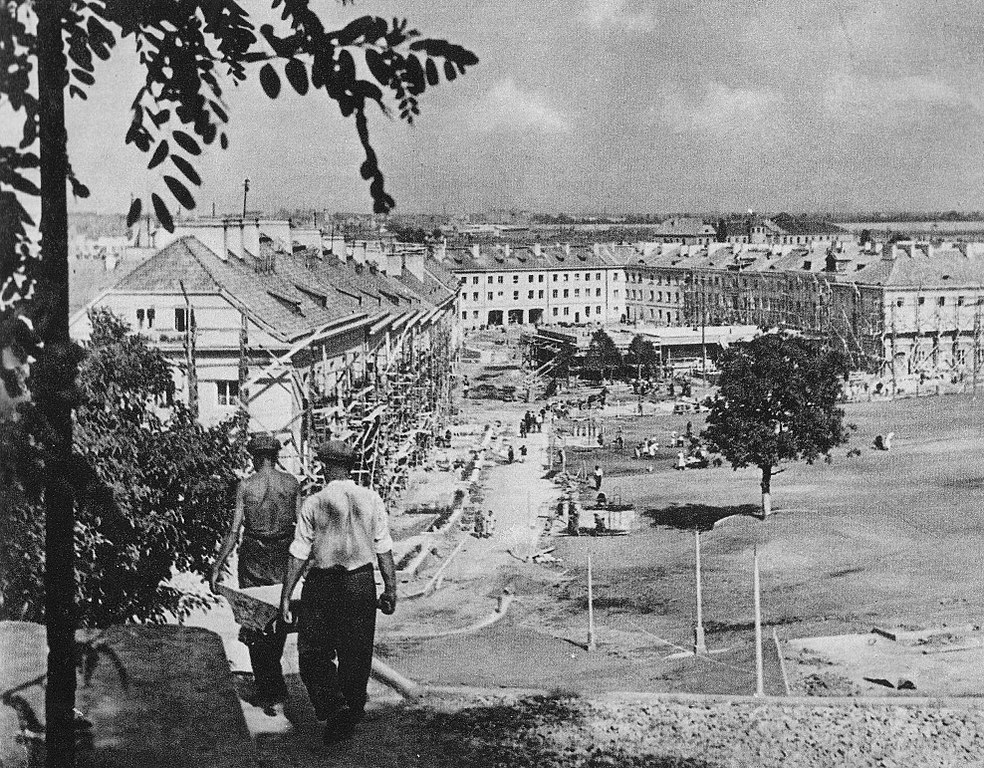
387 602
285 615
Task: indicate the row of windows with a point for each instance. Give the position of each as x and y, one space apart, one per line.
653 296
147 316
555 293
940 301
637 277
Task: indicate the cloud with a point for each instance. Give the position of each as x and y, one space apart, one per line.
720 111
613 14
851 95
508 107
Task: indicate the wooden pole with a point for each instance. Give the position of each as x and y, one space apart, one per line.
759 682
700 645
591 627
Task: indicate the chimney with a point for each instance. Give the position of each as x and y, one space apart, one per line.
234 238
476 251
441 250
251 238
597 250
537 250
391 264
358 252
414 264
567 249
505 250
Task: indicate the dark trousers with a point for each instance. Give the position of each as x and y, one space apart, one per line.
265 651
336 626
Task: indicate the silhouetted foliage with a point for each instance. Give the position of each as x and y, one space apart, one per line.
602 357
641 356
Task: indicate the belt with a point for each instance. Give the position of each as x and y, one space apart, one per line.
338 570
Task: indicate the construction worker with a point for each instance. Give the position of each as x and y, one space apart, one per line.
341 530
489 526
266 508
598 475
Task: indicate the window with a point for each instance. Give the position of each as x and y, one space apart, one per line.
500 294
530 295
475 315
660 296
615 293
501 279
577 293
922 300
960 301
464 297
554 292
140 318
597 275
474 297
515 295
577 275
597 291
228 392
587 311
515 278
567 276
490 295
539 278
490 279
567 310
598 309
475 280
587 275
530 278
555 313
567 293
555 277
941 301
539 294
614 275
181 319
464 315
464 279
652 295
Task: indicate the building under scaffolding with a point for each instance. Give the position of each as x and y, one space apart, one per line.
311 339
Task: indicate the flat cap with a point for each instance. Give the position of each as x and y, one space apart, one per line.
263 442
335 452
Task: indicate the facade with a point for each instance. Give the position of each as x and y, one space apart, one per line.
539 284
305 341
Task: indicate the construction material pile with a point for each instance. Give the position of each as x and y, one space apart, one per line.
571 732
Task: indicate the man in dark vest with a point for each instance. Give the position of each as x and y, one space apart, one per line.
266 510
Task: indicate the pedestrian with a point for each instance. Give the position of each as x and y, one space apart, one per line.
340 531
265 510
522 428
681 461
522 452
489 525
479 525
598 476
510 455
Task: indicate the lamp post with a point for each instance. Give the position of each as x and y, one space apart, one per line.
245 191
700 645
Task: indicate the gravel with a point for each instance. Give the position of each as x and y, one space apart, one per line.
571 732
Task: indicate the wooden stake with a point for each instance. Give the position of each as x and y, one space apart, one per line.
759 682
591 627
700 645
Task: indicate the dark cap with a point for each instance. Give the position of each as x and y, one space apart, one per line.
263 442
335 452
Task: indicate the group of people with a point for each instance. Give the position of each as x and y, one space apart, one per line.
484 523
532 422
334 536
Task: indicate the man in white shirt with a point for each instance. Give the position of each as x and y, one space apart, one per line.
340 531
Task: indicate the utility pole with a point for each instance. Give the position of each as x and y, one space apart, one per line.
700 645
245 192
189 345
591 626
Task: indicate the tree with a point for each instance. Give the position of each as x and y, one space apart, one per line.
185 50
642 355
776 402
151 485
602 356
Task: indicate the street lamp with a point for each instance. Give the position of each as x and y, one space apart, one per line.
245 191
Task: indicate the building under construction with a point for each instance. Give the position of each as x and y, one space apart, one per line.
308 337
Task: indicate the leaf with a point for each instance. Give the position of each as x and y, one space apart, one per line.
270 81
415 76
159 118
160 155
224 141
378 67
450 73
83 77
430 69
79 189
186 168
297 76
163 215
134 214
180 192
186 143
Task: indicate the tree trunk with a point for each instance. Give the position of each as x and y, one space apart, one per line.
52 316
766 491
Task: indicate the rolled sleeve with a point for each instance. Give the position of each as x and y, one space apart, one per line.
303 541
382 541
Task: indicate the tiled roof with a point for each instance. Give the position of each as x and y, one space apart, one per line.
913 268
519 258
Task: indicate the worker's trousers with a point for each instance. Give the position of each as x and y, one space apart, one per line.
336 626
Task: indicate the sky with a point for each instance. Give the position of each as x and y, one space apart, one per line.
607 106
